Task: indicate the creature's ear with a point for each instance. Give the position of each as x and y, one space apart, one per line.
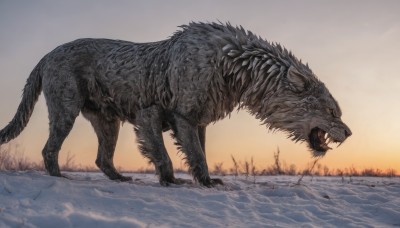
297 81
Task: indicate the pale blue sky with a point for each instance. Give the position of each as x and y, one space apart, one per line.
352 46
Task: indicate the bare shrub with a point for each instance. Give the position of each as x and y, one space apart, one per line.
69 164
308 171
149 170
372 172
21 162
253 169
327 172
12 157
353 172
278 169
218 170
390 172
246 169
235 168
292 170
6 161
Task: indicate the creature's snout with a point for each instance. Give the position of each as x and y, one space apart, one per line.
347 131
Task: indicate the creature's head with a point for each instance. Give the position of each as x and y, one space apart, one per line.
304 108
280 90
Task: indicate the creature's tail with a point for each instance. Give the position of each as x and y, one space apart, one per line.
30 95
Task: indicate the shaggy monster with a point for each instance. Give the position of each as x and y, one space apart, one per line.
184 83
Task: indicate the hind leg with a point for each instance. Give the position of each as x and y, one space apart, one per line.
148 128
107 135
62 119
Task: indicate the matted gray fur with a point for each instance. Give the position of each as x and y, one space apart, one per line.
197 76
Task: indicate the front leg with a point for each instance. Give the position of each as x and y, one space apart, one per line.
202 138
148 128
187 136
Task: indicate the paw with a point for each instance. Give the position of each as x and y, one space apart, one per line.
58 174
124 178
217 181
211 182
180 181
120 178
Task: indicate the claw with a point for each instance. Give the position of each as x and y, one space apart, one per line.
124 179
173 180
212 182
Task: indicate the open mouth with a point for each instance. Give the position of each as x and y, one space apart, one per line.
319 140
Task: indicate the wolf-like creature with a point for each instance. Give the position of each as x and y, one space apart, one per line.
196 77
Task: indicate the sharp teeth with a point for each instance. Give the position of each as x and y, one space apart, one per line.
326 147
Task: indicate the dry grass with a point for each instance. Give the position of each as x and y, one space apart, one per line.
281 168
12 158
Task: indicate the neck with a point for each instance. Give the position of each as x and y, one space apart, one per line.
254 73
252 68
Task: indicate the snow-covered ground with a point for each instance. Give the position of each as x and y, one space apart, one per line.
33 199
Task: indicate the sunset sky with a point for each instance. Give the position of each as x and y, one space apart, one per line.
352 46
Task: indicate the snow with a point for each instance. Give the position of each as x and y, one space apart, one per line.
34 199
